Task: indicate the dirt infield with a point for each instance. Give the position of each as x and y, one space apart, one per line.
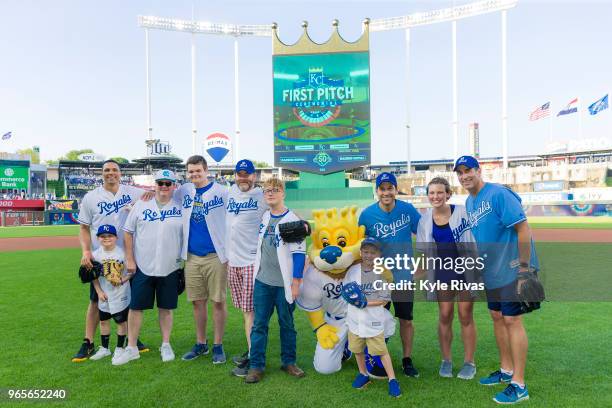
540 235
34 243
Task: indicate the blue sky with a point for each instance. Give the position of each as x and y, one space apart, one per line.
72 74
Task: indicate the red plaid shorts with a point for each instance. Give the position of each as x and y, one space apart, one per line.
241 287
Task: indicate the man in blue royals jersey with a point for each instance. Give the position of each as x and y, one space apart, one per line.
504 241
392 222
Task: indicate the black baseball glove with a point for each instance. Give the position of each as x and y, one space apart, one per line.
181 280
294 231
530 292
90 274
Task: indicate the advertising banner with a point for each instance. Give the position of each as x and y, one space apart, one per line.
14 177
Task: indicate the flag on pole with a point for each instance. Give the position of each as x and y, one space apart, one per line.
571 107
540 112
7 135
599 105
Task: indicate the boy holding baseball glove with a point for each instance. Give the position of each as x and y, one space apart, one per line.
366 293
113 289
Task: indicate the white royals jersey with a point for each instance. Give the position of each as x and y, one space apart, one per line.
243 217
118 296
100 207
158 236
371 320
319 291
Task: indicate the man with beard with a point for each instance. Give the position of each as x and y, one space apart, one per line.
245 207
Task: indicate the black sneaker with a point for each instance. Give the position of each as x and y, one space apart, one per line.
87 350
239 360
241 370
142 348
408 368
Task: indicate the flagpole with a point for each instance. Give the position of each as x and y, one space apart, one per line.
580 117
550 127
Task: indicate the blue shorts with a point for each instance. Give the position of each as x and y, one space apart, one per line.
146 289
504 300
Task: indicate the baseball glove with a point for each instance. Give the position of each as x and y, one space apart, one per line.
113 271
181 280
351 292
294 231
90 274
531 292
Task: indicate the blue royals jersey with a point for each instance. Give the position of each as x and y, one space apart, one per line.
393 229
200 242
493 213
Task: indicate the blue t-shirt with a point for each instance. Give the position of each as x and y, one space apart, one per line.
200 242
445 240
493 213
394 230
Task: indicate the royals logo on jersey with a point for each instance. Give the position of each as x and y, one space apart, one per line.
110 207
319 291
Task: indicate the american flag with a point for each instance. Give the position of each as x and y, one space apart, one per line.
540 112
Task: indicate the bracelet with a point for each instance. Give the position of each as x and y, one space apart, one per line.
315 330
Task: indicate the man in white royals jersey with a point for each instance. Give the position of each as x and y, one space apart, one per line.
245 208
108 204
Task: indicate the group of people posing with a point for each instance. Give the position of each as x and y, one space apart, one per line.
230 237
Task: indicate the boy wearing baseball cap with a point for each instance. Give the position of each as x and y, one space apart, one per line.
368 320
113 290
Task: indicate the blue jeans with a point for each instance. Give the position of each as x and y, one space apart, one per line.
265 298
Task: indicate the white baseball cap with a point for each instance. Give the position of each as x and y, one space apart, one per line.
165 174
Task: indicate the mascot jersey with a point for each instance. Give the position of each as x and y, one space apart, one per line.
100 206
113 263
393 229
319 291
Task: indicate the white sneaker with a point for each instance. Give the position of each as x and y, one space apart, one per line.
100 354
129 354
118 352
167 354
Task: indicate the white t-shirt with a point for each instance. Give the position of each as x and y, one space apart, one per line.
113 262
243 217
158 236
100 207
371 320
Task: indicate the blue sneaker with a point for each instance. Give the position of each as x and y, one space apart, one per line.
361 381
394 389
198 350
513 394
496 377
218 354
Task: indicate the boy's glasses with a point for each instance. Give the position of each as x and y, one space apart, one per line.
271 191
164 183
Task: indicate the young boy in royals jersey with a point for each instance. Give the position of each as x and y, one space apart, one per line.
113 289
392 222
504 240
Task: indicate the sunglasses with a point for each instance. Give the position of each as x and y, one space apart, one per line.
164 183
271 191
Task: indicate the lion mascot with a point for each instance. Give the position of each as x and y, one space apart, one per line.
336 241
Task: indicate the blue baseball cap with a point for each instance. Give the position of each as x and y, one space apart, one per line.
106 229
386 178
245 165
372 242
165 174
467 161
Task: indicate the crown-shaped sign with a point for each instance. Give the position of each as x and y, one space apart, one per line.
335 43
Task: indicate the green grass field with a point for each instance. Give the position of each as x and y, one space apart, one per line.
42 307
39 231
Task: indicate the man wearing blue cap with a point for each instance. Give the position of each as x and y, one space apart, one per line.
504 241
245 208
392 222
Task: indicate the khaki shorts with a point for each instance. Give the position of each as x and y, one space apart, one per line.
376 345
205 278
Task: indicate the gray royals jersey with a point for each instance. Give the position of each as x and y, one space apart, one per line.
158 236
244 213
100 207
118 296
